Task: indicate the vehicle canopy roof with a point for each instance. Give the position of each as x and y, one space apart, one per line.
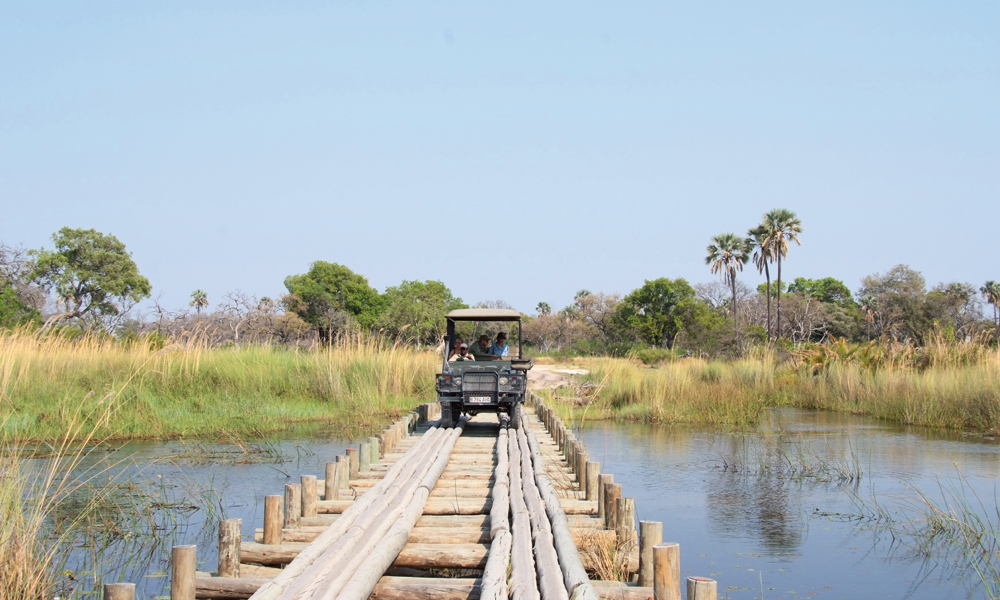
484 314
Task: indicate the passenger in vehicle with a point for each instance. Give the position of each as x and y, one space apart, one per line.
459 342
481 349
500 349
462 354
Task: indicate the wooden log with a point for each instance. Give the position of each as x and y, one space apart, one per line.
182 570
435 506
227 588
667 572
625 523
612 491
574 573
426 588
230 535
274 519
331 483
619 590
264 554
366 575
119 591
581 470
355 462
376 449
403 588
650 534
702 588
364 457
494 582
310 496
593 471
345 472
523 577
603 479
293 504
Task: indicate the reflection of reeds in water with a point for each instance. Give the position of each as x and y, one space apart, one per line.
954 528
190 389
786 457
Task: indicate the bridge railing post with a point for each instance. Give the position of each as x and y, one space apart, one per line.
667 572
182 568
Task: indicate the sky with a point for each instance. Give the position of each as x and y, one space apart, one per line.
515 151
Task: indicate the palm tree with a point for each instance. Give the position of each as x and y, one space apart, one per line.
869 306
991 292
727 254
544 308
757 240
199 300
782 227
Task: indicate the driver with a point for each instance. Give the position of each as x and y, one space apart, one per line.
481 349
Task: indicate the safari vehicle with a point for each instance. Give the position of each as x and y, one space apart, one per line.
482 386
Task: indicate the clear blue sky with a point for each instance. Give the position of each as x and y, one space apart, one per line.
569 144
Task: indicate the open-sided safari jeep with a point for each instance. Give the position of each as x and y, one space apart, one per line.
472 387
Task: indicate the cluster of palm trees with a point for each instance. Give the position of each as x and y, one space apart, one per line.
991 293
766 243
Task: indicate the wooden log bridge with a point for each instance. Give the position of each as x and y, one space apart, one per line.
479 510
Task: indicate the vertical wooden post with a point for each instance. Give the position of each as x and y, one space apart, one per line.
345 472
119 591
593 471
364 457
383 444
182 568
274 518
581 468
625 522
293 504
667 572
612 492
230 536
602 480
650 534
702 588
376 449
331 483
355 462
309 496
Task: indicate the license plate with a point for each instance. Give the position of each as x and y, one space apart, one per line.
480 399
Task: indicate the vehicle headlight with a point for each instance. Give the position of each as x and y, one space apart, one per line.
457 380
503 381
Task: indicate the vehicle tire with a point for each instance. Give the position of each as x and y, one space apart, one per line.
515 416
447 417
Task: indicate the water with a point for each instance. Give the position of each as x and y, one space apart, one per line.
792 536
763 529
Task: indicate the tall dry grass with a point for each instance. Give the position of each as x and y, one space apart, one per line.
190 389
956 387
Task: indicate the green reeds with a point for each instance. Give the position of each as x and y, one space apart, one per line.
939 386
188 389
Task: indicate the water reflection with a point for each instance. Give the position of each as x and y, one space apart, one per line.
771 507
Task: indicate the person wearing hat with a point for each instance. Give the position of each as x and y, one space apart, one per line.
462 354
454 350
481 349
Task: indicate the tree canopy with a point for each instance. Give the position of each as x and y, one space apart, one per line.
656 312
417 309
92 274
329 292
828 289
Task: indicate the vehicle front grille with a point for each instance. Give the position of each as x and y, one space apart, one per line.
479 382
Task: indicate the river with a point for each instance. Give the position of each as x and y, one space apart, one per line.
772 512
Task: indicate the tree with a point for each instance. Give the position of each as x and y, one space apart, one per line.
727 254
991 293
418 309
828 290
656 312
898 301
94 277
199 300
780 227
20 301
544 309
331 294
759 242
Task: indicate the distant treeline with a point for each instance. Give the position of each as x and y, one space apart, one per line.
89 282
